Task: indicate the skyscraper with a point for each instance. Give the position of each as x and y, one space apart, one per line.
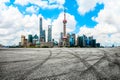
35 39
44 36
74 38
49 33
30 40
22 40
42 32
61 39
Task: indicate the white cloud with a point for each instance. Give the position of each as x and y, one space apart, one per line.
51 4
3 1
32 9
22 2
86 5
108 22
14 24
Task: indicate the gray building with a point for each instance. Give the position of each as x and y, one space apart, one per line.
42 32
30 38
61 39
49 33
44 36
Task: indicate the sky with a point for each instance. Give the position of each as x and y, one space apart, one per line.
97 18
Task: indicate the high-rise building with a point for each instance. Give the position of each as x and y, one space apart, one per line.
30 38
22 40
42 32
44 36
90 41
84 41
35 39
68 40
74 38
61 39
49 33
93 42
80 41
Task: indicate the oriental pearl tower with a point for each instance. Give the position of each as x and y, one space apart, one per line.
64 29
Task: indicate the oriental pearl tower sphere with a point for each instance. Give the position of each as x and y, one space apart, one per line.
64 29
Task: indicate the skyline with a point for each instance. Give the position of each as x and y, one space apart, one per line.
96 18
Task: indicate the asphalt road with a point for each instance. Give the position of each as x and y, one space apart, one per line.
60 64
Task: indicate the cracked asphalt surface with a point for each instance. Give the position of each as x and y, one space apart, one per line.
60 64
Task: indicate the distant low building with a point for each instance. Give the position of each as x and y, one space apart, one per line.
20 44
35 39
93 43
46 44
1 45
23 41
97 44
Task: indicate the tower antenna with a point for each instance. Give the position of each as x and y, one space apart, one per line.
64 29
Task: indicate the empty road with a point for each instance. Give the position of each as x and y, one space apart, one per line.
60 64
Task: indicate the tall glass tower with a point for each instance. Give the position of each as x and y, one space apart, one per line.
49 33
42 32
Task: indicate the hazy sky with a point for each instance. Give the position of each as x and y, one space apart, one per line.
100 18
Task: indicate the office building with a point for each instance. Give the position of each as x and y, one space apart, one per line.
22 40
49 33
93 43
61 39
35 39
97 44
44 36
42 32
72 40
30 38
84 41
80 41
68 40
